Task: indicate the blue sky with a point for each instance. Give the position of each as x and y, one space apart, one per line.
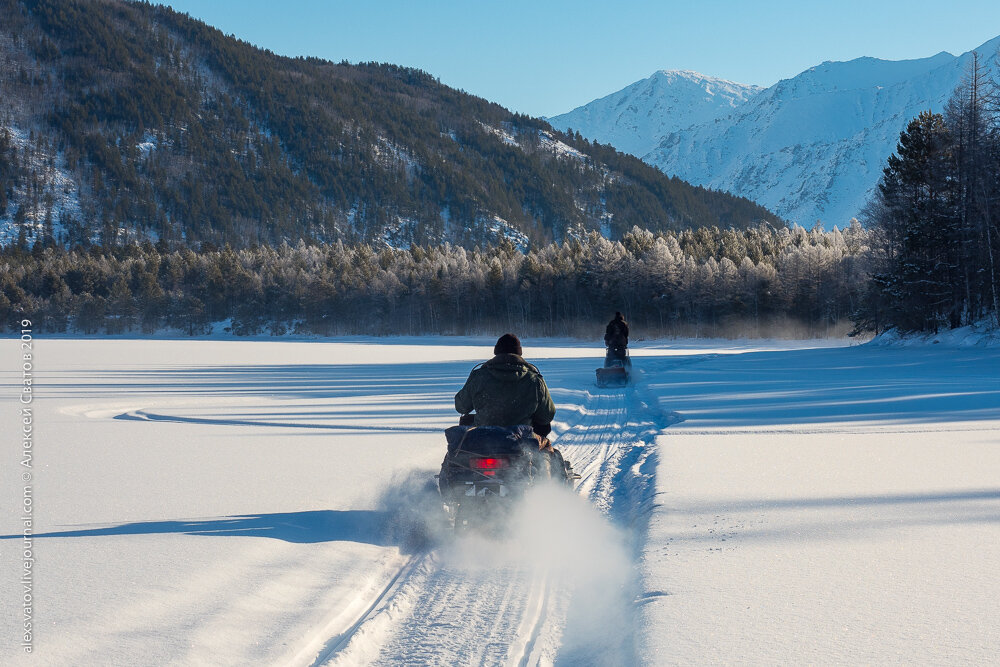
545 58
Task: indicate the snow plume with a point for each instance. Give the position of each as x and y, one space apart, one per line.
578 560
591 555
558 556
414 517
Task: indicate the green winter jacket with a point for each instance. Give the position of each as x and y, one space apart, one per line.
506 391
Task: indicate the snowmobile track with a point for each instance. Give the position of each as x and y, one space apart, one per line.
445 607
526 651
461 613
338 641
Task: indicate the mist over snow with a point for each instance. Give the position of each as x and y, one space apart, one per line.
556 534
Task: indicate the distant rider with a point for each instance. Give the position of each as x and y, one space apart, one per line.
616 337
507 391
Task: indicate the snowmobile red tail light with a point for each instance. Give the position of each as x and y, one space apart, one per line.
487 466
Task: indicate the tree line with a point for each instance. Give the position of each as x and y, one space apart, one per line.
935 218
708 282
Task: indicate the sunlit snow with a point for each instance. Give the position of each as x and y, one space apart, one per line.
271 502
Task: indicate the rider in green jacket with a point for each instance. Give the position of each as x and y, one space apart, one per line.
507 390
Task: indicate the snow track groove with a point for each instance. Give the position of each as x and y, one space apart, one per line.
524 651
444 608
338 640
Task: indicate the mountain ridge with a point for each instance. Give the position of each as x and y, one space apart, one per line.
703 99
811 147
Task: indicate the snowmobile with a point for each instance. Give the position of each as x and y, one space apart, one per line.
617 367
486 468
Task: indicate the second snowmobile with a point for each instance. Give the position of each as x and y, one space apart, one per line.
617 367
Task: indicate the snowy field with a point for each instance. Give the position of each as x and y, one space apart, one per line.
254 502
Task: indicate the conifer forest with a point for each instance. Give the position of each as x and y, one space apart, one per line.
698 282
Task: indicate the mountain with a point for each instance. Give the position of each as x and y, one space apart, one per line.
124 120
811 147
635 118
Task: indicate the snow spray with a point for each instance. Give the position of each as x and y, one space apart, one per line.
413 514
565 541
551 536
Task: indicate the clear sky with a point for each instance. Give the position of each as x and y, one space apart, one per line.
544 58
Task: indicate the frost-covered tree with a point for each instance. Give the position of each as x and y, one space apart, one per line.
686 283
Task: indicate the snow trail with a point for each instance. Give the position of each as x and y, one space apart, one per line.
338 635
558 588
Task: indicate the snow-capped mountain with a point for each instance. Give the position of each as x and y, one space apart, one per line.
636 118
809 148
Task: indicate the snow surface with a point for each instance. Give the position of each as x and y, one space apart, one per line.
256 502
827 507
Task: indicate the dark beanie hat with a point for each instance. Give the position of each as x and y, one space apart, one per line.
507 344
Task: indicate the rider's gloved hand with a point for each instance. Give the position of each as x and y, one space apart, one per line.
541 429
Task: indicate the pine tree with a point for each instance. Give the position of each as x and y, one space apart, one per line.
916 209
968 119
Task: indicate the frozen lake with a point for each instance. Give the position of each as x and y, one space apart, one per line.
254 502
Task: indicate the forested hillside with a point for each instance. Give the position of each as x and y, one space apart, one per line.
127 121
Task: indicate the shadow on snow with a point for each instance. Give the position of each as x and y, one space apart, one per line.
855 384
308 527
